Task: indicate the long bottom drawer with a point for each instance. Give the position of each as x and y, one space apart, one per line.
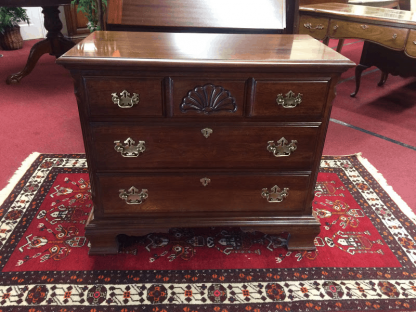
125 195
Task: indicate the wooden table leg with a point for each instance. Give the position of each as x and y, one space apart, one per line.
55 43
358 71
365 62
340 45
383 78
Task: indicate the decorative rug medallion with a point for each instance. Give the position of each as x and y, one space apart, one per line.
365 257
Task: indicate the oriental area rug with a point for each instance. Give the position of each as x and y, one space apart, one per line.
365 258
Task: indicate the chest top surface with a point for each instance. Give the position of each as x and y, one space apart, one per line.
184 49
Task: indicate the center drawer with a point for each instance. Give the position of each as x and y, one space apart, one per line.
210 192
210 146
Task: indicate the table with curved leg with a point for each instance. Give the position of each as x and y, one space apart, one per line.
55 43
396 63
390 35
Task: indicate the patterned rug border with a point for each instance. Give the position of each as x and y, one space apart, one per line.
403 206
21 171
25 171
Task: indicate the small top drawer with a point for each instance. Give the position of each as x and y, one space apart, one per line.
411 44
388 36
289 98
316 27
124 96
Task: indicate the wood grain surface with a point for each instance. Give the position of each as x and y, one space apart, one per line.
238 146
391 37
181 192
188 49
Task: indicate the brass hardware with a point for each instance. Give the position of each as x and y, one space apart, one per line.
206 132
309 26
336 27
129 149
275 195
414 42
281 148
125 101
290 101
205 181
394 36
364 27
132 196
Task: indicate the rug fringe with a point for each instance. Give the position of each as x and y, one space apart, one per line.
382 181
355 154
4 193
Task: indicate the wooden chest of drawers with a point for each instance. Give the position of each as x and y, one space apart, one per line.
200 130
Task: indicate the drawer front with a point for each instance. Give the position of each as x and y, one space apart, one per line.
297 98
208 98
203 146
179 192
143 96
313 26
411 44
389 36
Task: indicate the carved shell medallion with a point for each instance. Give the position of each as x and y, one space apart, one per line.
209 99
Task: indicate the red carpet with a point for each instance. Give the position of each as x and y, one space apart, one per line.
365 257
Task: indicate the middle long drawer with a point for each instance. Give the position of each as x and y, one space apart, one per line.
209 146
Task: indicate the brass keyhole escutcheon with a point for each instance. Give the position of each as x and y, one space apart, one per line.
206 132
205 181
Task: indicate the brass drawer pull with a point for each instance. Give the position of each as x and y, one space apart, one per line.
276 195
414 42
205 181
364 27
281 148
132 196
290 101
336 27
129 149
309 26
206 132
394 36
124 100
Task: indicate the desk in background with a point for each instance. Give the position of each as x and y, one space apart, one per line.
390 35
